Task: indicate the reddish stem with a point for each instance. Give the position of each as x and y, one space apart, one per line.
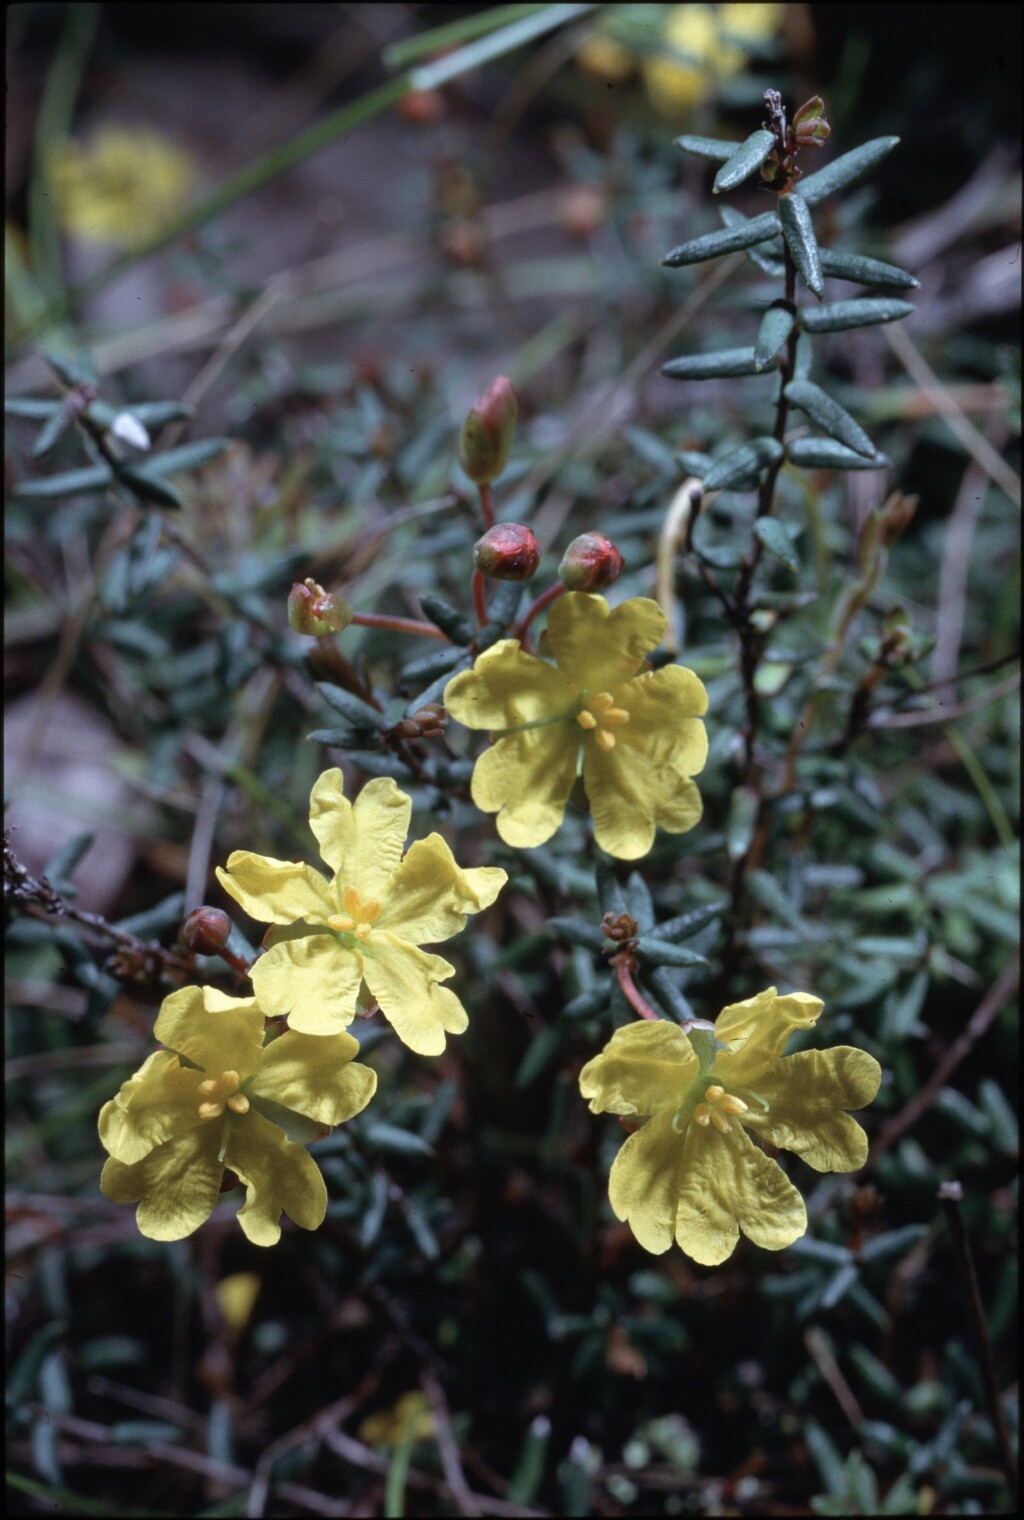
486 504
479 600
399 625
633 994
236 962
544 600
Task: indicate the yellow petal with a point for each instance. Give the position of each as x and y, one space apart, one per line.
756 1032
526 779
808 1094
158 1104
404 980
217 1032
314 980
280 1177
276 891
315 1075
361 841
507 687
430 895
665 711
176 1186
644 1067
643 1186
630 796
598 649
728 1184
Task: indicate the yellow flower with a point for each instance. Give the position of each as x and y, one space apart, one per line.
173 1128
364 925
409 1419
710 40
693 1172
122 187
634 735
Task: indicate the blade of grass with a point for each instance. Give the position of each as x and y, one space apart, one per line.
487 48
452 33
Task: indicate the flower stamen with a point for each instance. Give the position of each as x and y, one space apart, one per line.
220 1093
599 715
358 917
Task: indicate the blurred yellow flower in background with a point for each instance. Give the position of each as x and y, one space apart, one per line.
714 41
408 1419
122 186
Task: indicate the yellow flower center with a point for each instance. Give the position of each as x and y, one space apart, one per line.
358 917
220 1093
717 1105
600 716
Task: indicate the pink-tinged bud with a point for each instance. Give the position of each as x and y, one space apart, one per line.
314 611
206 931
810 109
590 563
507 552
488 431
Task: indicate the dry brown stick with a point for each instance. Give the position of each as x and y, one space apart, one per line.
920 719
820 1353
446 1448
1002 988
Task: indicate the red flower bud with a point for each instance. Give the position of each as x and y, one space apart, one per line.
206 930
507 552
590 563
314 611
488 431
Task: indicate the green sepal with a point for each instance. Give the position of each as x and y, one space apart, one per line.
842 171
741 469
746 160
706 147
731 240
723 364
776 326
864 271
829 454
837 316
798 230
829 416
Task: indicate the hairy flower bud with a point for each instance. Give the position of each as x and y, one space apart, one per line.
507 552
488 431
314 611
206 930
590 563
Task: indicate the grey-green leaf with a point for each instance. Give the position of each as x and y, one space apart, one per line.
145 484
746 160
726 362
798 230
842 171
69 482
830 416
829 454
776 326
837 316
713 244
189 456
742 468
772 536
352 707
865 271
706 147
767 256
692 462
660 952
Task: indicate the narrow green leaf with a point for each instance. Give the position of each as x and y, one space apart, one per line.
337 738
706 147
672 998
776 326
352 707
830 454
660 952
143 483
724 363
587 1005
395 1141
691 462
830 416
68 483
798 230
188 457
74 369
743 807
843 170
28 406
539 1054
713 244
52 429
578 933
449 619
690 923
767 256
772 536
544 19
432 665
746 160
742 468
865 271
837 316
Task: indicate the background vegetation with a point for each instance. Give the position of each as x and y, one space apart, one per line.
297 266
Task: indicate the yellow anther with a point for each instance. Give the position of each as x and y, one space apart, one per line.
343 922
602 702
604 739
714 1093
210 1110
615 717
208 1087
600 716
220 1092
351 902
702 1114
720 1122
357 917
733 1105
230 1081
586 719
238 1103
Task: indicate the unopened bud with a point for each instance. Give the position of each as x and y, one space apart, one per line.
618 927
206 930
590 563
314 611
810 108
897 514
507 552
488 431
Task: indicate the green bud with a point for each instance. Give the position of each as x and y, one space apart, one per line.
488 431
590 563
316 612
